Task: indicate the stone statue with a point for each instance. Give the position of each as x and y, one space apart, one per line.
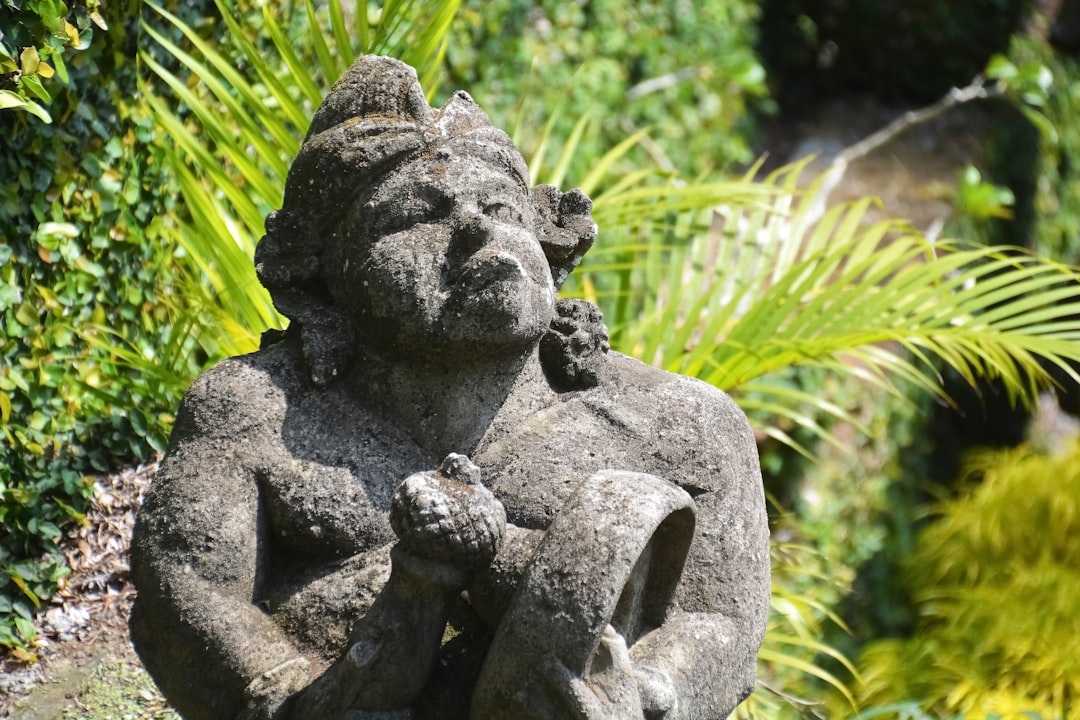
439 494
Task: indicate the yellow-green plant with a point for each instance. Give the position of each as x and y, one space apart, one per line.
996 579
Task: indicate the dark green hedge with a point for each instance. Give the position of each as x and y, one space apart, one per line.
900 50
82 203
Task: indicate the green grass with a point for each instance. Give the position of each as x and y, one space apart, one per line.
119 691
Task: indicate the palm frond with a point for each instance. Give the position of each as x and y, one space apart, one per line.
771 279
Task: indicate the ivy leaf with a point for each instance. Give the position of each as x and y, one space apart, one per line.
27 315
26 590
138 422
9 99
60 229
9 295
29 60
61 68
156 441
7 638
25 628
33 84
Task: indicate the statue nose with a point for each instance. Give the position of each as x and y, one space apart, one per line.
471 231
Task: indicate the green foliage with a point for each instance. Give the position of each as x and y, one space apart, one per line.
1055 180
685 69
1026 153
978 199
785 282
998 592
1034 150
996 197
35 35
83 205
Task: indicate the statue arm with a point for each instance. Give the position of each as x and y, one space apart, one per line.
195 561
708 645
198 554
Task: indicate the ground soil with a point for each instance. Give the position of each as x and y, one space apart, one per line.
86 624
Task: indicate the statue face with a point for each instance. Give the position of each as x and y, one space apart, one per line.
444 255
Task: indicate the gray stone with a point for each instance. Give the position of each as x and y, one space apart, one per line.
439 494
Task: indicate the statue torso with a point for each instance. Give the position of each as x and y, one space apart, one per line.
327 467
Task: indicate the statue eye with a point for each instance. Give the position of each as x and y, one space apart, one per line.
407 212
505 213
416 210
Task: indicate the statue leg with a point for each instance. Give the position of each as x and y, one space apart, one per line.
392 647
320 607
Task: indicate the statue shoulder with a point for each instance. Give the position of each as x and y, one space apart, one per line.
678 395
689 425
239 394
224 429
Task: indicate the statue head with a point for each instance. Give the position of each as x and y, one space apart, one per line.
407 227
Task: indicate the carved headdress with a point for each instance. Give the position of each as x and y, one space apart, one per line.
375 119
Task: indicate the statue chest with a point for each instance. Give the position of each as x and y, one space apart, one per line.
329 495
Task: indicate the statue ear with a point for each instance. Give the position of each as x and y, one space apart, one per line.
565 226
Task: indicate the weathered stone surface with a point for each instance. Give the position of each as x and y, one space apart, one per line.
593 543
602 577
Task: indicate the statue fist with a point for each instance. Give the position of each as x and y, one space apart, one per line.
448 515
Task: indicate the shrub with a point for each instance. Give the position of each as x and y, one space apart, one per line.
912 50
34 37
83 203
685 68
982 644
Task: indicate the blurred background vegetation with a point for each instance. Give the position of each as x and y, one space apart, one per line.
925 538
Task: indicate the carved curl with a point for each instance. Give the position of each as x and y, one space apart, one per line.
373 120
574 351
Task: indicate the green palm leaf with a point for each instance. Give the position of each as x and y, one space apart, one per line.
792 650
771 281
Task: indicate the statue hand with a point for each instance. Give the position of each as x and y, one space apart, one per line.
266 695
610 693
448 515
657 692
